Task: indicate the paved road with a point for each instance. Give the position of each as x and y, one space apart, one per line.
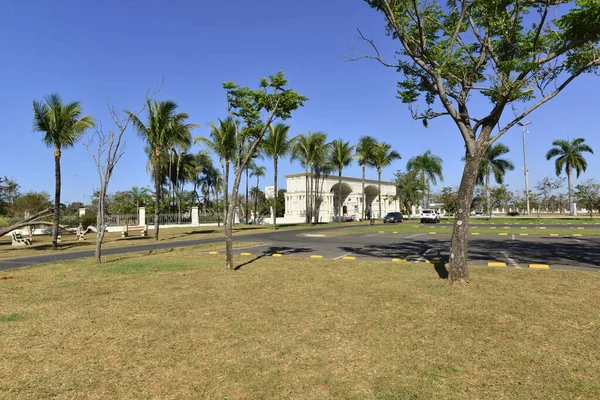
581 253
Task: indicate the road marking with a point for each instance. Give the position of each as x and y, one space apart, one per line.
316 256
542 227
398 260
213 252
432 233
245 254
523 234
422 258
475 233
415 235
277 255
395 233
503 234
554 234
375 234
348 258
512 262
577 234
340 257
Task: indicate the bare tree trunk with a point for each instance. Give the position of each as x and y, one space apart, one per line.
247 208
570 181
487 195
306 205
256 201
229 225
100 226
226 188
340 195
157 189
379 189
276 194
458 247
364 196
218 215
56 198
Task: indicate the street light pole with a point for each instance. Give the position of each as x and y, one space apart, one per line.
525 169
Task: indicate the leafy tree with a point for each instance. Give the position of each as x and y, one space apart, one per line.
409 189
9 190
546 187
164 129
223 142
139 197
30 203
449 200
340 157
364 155
252 112
500 196
281 202
429 167
588 195
568 157
459 53
491 163
258 171
63 126
383 156
277 145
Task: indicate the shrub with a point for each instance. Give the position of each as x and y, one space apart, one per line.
513 213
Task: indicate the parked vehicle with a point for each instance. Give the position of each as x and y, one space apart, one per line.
430 216
393 217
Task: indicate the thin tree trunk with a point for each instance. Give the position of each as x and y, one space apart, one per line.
570 179
306 214
256 201
229 225
340 195
379 189
56 220
487 195
218 214
246 207
226 188
425 199
364 196
157 189
276 194
458 247
100 226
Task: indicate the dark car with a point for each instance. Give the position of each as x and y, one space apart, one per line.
393 217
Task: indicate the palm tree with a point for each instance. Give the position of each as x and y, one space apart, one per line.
223 143
568 157
383 156
429 167
364 155
276 145
63 126
492 163
310 150
340 157
139 196
164 130
257 171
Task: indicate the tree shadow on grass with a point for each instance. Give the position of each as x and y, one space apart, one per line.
276 250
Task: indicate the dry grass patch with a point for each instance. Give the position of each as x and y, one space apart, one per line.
177 326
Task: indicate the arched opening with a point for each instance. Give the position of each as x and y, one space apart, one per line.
371 193
346 190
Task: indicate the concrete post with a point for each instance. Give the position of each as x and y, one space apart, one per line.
142 216
195 219
81 211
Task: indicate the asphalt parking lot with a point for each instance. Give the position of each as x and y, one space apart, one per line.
579 253
562 252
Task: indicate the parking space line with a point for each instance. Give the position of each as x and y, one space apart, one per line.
512 262
412 236
342 256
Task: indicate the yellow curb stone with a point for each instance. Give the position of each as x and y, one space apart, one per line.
554 234
523 234
348 258
316 256
475 233
245 254
398 260
213 252
577 234
432 233
496 264
503 234
277 255
539 266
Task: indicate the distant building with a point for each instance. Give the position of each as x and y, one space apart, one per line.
352 198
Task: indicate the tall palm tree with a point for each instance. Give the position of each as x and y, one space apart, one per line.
383 156
258 171
340 157
139 196
568 157
364 155
276 145
165 128
492 163
63 126
310 149
223 143
429 167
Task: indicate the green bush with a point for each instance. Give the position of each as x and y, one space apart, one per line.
513 213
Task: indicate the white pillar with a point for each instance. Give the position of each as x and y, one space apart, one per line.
195 220
142 216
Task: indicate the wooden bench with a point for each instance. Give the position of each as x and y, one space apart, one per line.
143 229
19 240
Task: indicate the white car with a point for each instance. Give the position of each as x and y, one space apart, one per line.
430 216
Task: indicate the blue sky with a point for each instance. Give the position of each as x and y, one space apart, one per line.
116 50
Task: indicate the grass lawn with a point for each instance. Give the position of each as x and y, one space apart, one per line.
42 244
175 325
